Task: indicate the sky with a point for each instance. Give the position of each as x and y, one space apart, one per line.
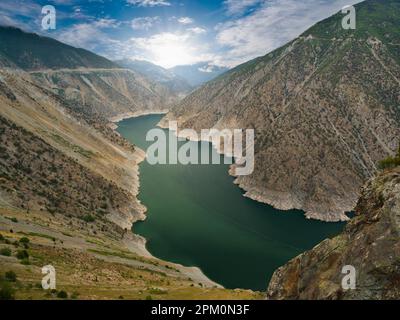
174 32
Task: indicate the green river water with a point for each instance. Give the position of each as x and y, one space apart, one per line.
198 217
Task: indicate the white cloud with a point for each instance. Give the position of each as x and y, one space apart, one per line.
275 23
85 35
197 30
144 23
207 69
106 23
185 20
239 6
149 3
5 20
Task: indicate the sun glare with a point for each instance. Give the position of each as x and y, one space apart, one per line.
170 55
169 49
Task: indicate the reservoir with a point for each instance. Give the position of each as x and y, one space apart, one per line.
198 217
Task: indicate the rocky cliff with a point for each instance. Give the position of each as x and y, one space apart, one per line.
370 243
325 109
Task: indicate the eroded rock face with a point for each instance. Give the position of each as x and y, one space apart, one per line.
370 243
325 109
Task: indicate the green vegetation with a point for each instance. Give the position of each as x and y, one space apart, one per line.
40 235
10 276
62 295
22 254
5 252
6 291
157 291
25 242
88 218
390 162
75 295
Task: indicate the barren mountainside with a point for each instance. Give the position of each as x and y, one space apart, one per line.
325 108
108 92
60 138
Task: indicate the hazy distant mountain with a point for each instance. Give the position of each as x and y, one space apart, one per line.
30 51
157 74
198 74
325 109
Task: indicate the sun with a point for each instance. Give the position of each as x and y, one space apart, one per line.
170 55
169 49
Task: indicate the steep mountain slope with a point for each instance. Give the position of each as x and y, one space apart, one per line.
33 52
108 92
157 74
325 109
82 77
370 243
199 73
49 148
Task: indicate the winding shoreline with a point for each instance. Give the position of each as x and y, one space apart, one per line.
282 201
138 243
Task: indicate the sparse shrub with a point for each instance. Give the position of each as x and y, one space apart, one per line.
62 295
5 252
390 162
24 240
1 237
10 276
149 298
88 218
6 291
104 206
25 262
22 254
157 291
75 295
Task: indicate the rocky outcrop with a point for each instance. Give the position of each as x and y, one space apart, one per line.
370 243
325 109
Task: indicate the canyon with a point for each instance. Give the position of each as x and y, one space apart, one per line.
325 111
324 107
